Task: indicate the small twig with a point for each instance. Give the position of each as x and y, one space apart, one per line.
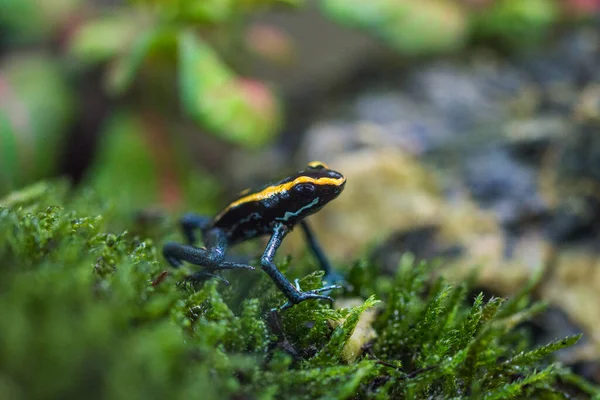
160 278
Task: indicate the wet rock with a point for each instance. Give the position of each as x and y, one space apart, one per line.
576 215
555 322
529 140
575 219
498 270
337 138
587 109
589 370
573 284
436 107
488 163
573 58
387 190
424 243
465 95
391 198
499 182
581 156
401 121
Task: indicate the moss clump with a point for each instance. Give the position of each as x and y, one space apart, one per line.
87 312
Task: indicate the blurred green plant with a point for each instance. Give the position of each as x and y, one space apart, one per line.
159 58
36 108
177 36
88 310
409 27
516 23
31 21
441 26
164 58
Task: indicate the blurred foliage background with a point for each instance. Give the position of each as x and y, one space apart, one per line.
99 85
468 129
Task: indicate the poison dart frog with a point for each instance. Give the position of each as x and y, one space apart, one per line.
273 209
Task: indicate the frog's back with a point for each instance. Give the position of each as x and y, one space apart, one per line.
286 201
250 213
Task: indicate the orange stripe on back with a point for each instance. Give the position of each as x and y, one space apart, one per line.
272 190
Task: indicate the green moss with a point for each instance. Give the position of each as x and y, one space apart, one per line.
88 311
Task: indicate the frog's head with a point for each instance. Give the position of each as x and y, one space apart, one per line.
325 182
309 190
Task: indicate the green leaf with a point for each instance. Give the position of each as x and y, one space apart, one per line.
237 110
68 267
535 356
332 351
29 21
192 11
409 27
514 390
37 110
9 154
516 22
101 39
566 375
124 67
125 159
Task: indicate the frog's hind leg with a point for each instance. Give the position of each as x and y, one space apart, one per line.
210 257
191 222
331 276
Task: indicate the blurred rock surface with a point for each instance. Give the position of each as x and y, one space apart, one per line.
490 163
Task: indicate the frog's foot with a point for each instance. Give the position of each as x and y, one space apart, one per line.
337 284
300 296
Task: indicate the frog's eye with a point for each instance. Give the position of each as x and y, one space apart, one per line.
317 165
305 189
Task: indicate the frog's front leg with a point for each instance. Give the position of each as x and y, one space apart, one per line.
293 293
210 257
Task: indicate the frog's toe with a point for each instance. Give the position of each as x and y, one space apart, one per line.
201 276
325 289
310 295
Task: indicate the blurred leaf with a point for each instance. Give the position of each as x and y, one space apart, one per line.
36 108
199 12
516 22
239 110
124 67
139 154
258 3
123 40
409 27
124 159
209 11
9 161
356 13
30 20
427 27
100 39
270 42
582 7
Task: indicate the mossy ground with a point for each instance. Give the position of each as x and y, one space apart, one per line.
89 312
